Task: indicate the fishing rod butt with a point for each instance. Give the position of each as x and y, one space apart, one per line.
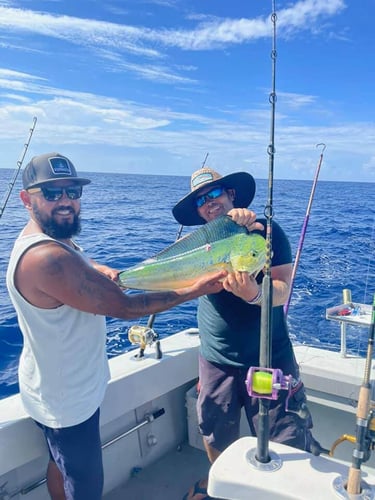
353 486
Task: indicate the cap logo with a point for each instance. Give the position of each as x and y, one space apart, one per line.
60 166
202 179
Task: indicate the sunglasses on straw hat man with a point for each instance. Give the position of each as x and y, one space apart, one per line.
185 211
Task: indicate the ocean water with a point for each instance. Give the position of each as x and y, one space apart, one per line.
126 218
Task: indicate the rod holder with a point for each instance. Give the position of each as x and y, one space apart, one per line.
347 298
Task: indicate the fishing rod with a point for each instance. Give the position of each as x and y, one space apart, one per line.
363 414
204 161
151 319
145 335
262 453
304 228
265 382
19 165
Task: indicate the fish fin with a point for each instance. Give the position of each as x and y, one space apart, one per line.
215 230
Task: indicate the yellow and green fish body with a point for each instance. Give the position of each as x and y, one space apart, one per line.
182 263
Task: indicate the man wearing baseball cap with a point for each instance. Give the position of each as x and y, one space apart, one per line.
229 327
62 298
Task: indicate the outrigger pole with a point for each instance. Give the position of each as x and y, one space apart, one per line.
19 165
262 453
304 228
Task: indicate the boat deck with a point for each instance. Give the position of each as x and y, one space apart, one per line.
168 479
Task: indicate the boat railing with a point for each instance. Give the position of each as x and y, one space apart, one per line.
351 313
145 407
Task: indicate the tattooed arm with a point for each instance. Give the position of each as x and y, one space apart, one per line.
49 275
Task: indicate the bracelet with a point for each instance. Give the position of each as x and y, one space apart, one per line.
257 299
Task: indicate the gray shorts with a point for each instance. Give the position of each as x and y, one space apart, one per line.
223 393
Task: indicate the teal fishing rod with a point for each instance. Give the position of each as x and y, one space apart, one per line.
19 165
304 228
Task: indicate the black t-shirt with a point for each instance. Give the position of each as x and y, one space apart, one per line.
230 328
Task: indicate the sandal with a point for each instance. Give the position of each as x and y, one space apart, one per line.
197 490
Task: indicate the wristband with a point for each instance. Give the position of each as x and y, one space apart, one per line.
257 299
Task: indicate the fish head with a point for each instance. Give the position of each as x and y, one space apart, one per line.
248 253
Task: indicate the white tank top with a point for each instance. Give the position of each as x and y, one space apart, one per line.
63 369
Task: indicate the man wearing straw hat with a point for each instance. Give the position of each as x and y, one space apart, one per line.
229 326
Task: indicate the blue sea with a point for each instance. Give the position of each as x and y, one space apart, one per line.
127 218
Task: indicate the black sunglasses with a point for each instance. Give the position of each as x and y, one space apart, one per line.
211 195
56 193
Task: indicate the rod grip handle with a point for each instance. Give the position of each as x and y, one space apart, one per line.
354 481
363 402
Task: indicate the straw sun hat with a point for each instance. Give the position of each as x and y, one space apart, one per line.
185 211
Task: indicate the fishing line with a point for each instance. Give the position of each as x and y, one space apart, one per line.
357 348
19 165
358 344
370 260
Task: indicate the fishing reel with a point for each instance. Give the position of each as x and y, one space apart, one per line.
369 438
144 336
267 382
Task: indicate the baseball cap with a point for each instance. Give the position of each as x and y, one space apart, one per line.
50 167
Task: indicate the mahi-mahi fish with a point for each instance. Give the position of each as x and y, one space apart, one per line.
219 244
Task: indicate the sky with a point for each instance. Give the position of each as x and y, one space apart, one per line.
165 86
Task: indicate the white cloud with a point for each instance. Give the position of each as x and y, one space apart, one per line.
147 131
207 35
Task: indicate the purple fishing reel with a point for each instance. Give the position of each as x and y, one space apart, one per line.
267 382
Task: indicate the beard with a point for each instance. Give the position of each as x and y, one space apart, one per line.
57 230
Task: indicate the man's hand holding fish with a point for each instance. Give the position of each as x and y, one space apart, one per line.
245 217
242 284
208 283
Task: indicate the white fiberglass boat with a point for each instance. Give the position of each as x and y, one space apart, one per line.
151 445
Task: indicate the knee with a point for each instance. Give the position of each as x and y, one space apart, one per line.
55 482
